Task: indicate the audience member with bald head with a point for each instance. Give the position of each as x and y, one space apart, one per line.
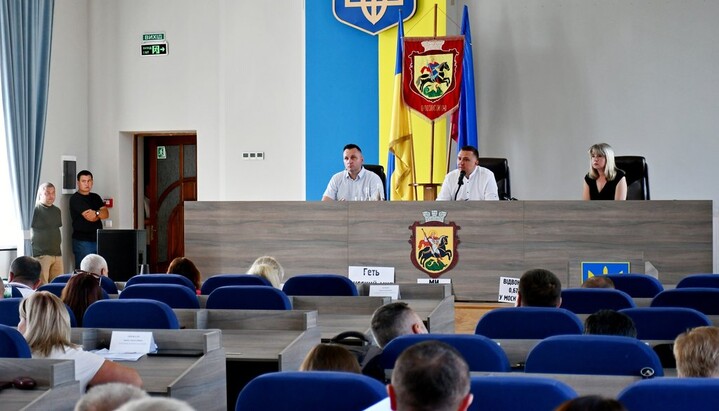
430 375
539 288
697 352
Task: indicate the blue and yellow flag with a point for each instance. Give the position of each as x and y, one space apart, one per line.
464 120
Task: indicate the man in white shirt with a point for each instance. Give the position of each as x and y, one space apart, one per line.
25 275
355 183
469 181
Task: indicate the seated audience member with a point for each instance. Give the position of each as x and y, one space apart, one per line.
591 403
610 322
330 357
81 290
539 288
94 263
430 375
45 324
269 268
604 181
697 352
25 275
598 281
156 404
108 397
186 268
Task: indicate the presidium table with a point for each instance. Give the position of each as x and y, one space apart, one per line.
487 239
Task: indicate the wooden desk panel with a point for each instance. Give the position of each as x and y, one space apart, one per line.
496 238
608 386
56 386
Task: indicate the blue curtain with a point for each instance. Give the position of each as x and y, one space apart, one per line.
25 43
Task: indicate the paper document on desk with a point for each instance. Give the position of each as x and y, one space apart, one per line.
115 356
129 345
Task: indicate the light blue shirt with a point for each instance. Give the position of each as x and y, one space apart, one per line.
367 186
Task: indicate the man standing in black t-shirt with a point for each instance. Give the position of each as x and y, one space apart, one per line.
87 211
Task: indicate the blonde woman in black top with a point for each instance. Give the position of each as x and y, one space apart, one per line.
604 180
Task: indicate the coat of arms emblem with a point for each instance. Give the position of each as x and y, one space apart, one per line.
434 244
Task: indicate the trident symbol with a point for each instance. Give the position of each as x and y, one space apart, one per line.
373 10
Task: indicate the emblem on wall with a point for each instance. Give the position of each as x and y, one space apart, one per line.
434 244
373 16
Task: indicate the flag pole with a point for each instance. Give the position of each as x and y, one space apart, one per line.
431 157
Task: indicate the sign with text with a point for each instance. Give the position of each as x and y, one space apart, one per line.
140 342
384 290
592 268
154 49
376 275
434 281
147 37
508 287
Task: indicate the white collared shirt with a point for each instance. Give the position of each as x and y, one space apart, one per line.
367 186
480 185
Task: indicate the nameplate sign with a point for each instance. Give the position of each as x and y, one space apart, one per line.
374 275
434 281
384 290
508 289
137 342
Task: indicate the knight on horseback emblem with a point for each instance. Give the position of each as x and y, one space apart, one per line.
434 244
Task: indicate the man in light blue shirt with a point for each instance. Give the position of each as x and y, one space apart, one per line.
355 183
469 181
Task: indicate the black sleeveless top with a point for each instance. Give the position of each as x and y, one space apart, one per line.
609 189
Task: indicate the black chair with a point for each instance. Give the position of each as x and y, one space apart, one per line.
635 167
379 170
500 168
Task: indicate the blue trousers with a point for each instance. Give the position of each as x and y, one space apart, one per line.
81 249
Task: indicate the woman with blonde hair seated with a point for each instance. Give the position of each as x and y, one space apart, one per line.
45 324
330 357
269 268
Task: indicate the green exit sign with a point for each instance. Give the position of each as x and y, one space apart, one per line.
154 49
153 37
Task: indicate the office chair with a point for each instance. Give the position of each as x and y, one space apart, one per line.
511 393
664 323
105 282
160 279
637 175
56 288
500 168
480 352
637 285
591 300
701 299
379 170
13 344
248 297
221 280
320 284
130 313
9 314
174 295
594 354
310 390
528 323
665 394
699 281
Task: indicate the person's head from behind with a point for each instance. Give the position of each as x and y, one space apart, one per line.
353 159
601 160
185 267
610 322
267 272
45 194
81 290
25 270
109 397
44 322
591 403
330 357
273 263
430 375
94 263
598 281
156 404
697 352
394 319
468 159
539 288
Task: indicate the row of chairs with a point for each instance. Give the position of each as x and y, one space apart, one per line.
591 300
345 391
646 286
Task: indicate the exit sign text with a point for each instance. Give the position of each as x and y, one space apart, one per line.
154 49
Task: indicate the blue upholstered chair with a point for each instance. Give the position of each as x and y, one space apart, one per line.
160 279
593 354
221 280
511 393
13 344
481 353
664 323
9 311
130 313
248 297
56 288
637 285
105 282
174 295
670 394
705 300
319 284
310 390
528 323
699 281
591 300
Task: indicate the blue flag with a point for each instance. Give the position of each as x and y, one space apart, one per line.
464 120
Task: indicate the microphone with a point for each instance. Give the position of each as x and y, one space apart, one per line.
459 183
